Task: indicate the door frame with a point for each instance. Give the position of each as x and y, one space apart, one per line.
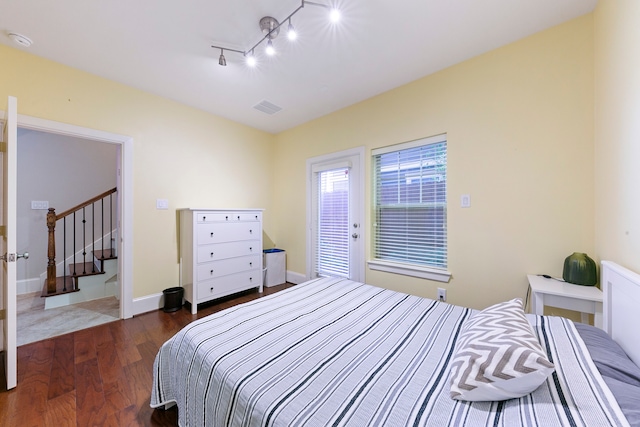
124 198
358 212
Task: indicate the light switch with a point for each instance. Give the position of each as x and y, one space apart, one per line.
465 201
37 204
162 204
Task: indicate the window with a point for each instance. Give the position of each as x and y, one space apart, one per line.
410 204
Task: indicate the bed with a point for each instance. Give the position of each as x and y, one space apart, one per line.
336 352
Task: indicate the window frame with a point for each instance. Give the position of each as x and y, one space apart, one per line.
394 266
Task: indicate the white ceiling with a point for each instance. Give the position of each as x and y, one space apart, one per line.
163 46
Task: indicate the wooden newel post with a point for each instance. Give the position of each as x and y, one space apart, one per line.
51 253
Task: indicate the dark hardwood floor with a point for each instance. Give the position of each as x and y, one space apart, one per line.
100 376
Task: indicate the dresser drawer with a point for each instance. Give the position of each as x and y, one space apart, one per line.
225 267
226 285
218 232
228 216
216 251
248 216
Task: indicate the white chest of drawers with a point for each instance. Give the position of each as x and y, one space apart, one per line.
220 253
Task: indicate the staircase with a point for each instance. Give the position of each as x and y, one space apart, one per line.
89 272
86 281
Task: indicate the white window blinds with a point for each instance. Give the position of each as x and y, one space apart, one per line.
333 223
410 200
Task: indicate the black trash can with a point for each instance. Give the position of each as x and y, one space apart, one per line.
173 299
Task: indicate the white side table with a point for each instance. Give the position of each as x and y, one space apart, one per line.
554 293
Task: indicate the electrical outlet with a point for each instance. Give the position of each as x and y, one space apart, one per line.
442 294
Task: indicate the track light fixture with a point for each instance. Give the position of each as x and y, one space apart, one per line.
222 61
271 28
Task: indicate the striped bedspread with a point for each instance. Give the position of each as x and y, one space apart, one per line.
332 352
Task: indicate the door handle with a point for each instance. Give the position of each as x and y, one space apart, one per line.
12 257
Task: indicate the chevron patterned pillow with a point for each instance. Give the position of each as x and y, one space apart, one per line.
497 356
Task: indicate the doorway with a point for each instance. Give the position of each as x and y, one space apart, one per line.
124 166
335 215
60 172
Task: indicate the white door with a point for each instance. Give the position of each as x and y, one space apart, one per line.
335 241
8 249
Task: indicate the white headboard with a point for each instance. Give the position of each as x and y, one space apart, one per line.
621 307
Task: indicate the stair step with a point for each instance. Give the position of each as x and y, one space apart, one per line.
84 269
60 287
105 254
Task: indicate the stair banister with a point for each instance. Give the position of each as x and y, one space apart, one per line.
52 219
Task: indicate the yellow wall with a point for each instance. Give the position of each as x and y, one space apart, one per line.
190 157
617 131
519 121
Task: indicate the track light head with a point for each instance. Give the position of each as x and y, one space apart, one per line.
291 31
270 50
250 58
334 15
222 61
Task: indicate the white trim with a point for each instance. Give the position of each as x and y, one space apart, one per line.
323 167
410 270
295 278
410 144
28 286
156 302
148 303
338 158
125 194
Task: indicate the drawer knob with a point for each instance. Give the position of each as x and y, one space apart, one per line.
212 234
250 231
227 217
211 289
211 253
211 272
250 278
250 248
204 218
250 264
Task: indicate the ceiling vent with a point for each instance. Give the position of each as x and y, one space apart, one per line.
267 107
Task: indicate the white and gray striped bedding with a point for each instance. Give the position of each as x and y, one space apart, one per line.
336 352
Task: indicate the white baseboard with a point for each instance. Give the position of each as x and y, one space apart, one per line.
156 301
295 278
149 303
28 286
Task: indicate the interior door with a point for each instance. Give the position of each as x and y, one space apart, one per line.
8 241
336 246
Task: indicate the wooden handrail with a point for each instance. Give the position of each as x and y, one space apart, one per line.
84 204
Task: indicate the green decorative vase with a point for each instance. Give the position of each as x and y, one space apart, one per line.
579 269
